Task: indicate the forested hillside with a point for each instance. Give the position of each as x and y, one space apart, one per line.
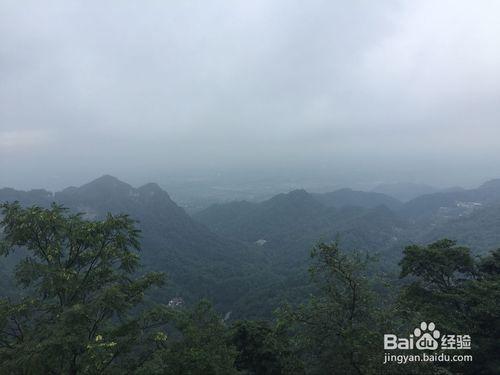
362 220
199 263
82 308
452 203
248 257
349 197
293 221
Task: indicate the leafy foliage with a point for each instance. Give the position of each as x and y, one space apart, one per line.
82 289
459 293
84 307
264 349
198 346
85 311
339 325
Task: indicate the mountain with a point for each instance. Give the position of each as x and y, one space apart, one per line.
198 262
27 198
273 218
249 257
349 197
452 204
404 191
288 225
291 223
479 229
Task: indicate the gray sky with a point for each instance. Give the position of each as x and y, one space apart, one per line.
359 91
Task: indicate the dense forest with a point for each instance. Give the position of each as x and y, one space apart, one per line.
124 281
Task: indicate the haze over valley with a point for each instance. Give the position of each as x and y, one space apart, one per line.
262 246
266 187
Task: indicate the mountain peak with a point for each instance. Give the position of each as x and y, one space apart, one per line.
348 197
297 198
491 185
298 193
103 185
294 195
106 179
153 189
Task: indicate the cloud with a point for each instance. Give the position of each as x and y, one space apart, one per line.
186 86
23 141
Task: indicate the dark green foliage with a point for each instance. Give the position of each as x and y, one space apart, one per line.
80 278
82 305
460 294
84 311
197 347
264 349
340 327
441 264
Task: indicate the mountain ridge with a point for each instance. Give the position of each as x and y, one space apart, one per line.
172 241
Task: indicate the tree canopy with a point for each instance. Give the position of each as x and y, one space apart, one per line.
84 308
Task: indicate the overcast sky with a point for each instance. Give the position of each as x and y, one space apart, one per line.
359 91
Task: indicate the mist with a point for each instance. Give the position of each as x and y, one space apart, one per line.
350 93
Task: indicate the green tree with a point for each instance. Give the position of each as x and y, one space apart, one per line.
198 346
264 349
439 266
81 288
341 326
460 294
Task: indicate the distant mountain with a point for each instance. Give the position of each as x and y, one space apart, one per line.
293 222
27 198
404 191
193 256
248 257
269 219
452 204
479 229
349 197
491 186
452 189
288 225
